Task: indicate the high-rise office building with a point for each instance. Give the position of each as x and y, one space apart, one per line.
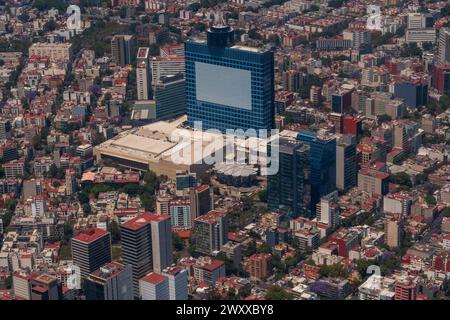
154 286
185 180
292 80
146 245
112 281
178 282
413 91
170 96
229 86
440 79
143 74
346 162
444 46
341 101
122 47
91 249
322 162
373 181
166 66
211 232
289 187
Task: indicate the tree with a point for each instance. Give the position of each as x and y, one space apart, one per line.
263 248
427 46
430 200
336 270
278 293
401 178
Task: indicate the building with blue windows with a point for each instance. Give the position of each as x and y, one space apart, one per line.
289 189
413 91
322 164
229 86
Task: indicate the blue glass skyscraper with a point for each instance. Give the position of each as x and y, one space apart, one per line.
322 164
229 86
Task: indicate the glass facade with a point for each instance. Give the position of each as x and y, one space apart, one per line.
289 189
223 65
323 165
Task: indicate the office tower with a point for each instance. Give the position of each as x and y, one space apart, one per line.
289 187
91 249
418 20
440 79
211 232
166 66
185 180
373 181
143 74
208 270
86 153
322 162
328 210
444 46
112 281
229 86
170 96
32 286
122 47
360 37
420 35
407 135
178 282
146 245
346 162
259 266
341 101
352 125
292 80
154 286
202 201
45 287
413 91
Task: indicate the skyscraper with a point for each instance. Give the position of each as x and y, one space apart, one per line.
346 162
229 86
154 286
323 164
91 249
289 187
143 74
112 281
170 96
211 232
146 245
178 282
122 49
444 46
